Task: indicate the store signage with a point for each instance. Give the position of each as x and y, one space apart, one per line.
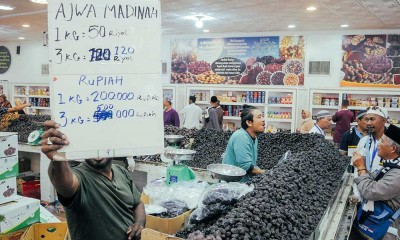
5 59
371 61
106 76
266 60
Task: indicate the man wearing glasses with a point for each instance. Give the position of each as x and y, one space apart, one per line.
367 148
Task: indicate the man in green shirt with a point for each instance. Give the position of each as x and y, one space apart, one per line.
100 199
242 145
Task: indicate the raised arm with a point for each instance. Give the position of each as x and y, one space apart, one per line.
60 173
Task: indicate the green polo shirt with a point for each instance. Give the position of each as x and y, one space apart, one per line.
102 208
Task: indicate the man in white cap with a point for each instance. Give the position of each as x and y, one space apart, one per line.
324 119
367 148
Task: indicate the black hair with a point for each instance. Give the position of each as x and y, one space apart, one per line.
214 99
170 103
246 115
192 98
345 103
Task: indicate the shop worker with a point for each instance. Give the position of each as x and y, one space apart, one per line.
353 136
343 118
211 121
307 123
171 117
367 147
191 114
100 200
381 188
4 110
220 114
4 102
242 145
324 119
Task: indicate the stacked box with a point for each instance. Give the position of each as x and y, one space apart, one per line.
8 166
19 213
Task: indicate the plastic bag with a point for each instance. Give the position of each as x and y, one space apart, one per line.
187 191
175 207
225 193
208 212
287 155
154 209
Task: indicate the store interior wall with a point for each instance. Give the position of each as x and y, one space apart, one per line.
320 46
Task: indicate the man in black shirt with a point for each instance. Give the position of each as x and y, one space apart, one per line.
353 136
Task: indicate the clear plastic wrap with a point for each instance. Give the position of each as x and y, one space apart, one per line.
287 155
175 207
154 209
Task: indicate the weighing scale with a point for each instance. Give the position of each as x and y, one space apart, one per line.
178 171
173 141
225 172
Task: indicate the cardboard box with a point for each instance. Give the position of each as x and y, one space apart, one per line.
13 235
19 214
144 198
47 217
150 234
167 225
8 189
47 231
8 144
8 167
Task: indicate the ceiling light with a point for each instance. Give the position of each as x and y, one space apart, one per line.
344 25
26 25
206 30
40 1
291 26
6 7
196 17
199 22
311 8
21 38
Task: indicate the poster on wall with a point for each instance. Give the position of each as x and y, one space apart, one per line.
270 60
371 61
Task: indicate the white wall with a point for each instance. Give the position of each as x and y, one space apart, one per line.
320 45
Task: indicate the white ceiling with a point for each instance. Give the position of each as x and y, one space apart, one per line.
231 16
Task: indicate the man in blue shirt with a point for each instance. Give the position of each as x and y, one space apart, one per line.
242 146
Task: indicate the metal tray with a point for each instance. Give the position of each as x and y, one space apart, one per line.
179 154
226 172
173 138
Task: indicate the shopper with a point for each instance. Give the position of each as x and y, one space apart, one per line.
220 114
4 102
242 145
191 114
4 110
99 198
367 147
324 119
382 188
343 119
211 122
171 117
353 136
307 123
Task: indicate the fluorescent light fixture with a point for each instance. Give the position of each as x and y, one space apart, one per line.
196 17
291 26
6 7
206 31
40 1
311 8
26 25
21 38
199 23
344 25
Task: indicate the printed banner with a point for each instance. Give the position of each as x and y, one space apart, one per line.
270 60
371 61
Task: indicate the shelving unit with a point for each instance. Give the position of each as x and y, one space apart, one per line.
359 99
276 103
36 94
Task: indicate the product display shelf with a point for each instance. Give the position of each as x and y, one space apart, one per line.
4 88
36 94
271 101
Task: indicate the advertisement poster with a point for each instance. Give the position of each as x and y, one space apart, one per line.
371 61
271 60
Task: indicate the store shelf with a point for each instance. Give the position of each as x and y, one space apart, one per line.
41 108
202 102
231 118
20 96
38 96
325 107
242 103
278 120
280 105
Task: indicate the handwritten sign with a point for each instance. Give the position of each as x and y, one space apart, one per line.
5 59
106 76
